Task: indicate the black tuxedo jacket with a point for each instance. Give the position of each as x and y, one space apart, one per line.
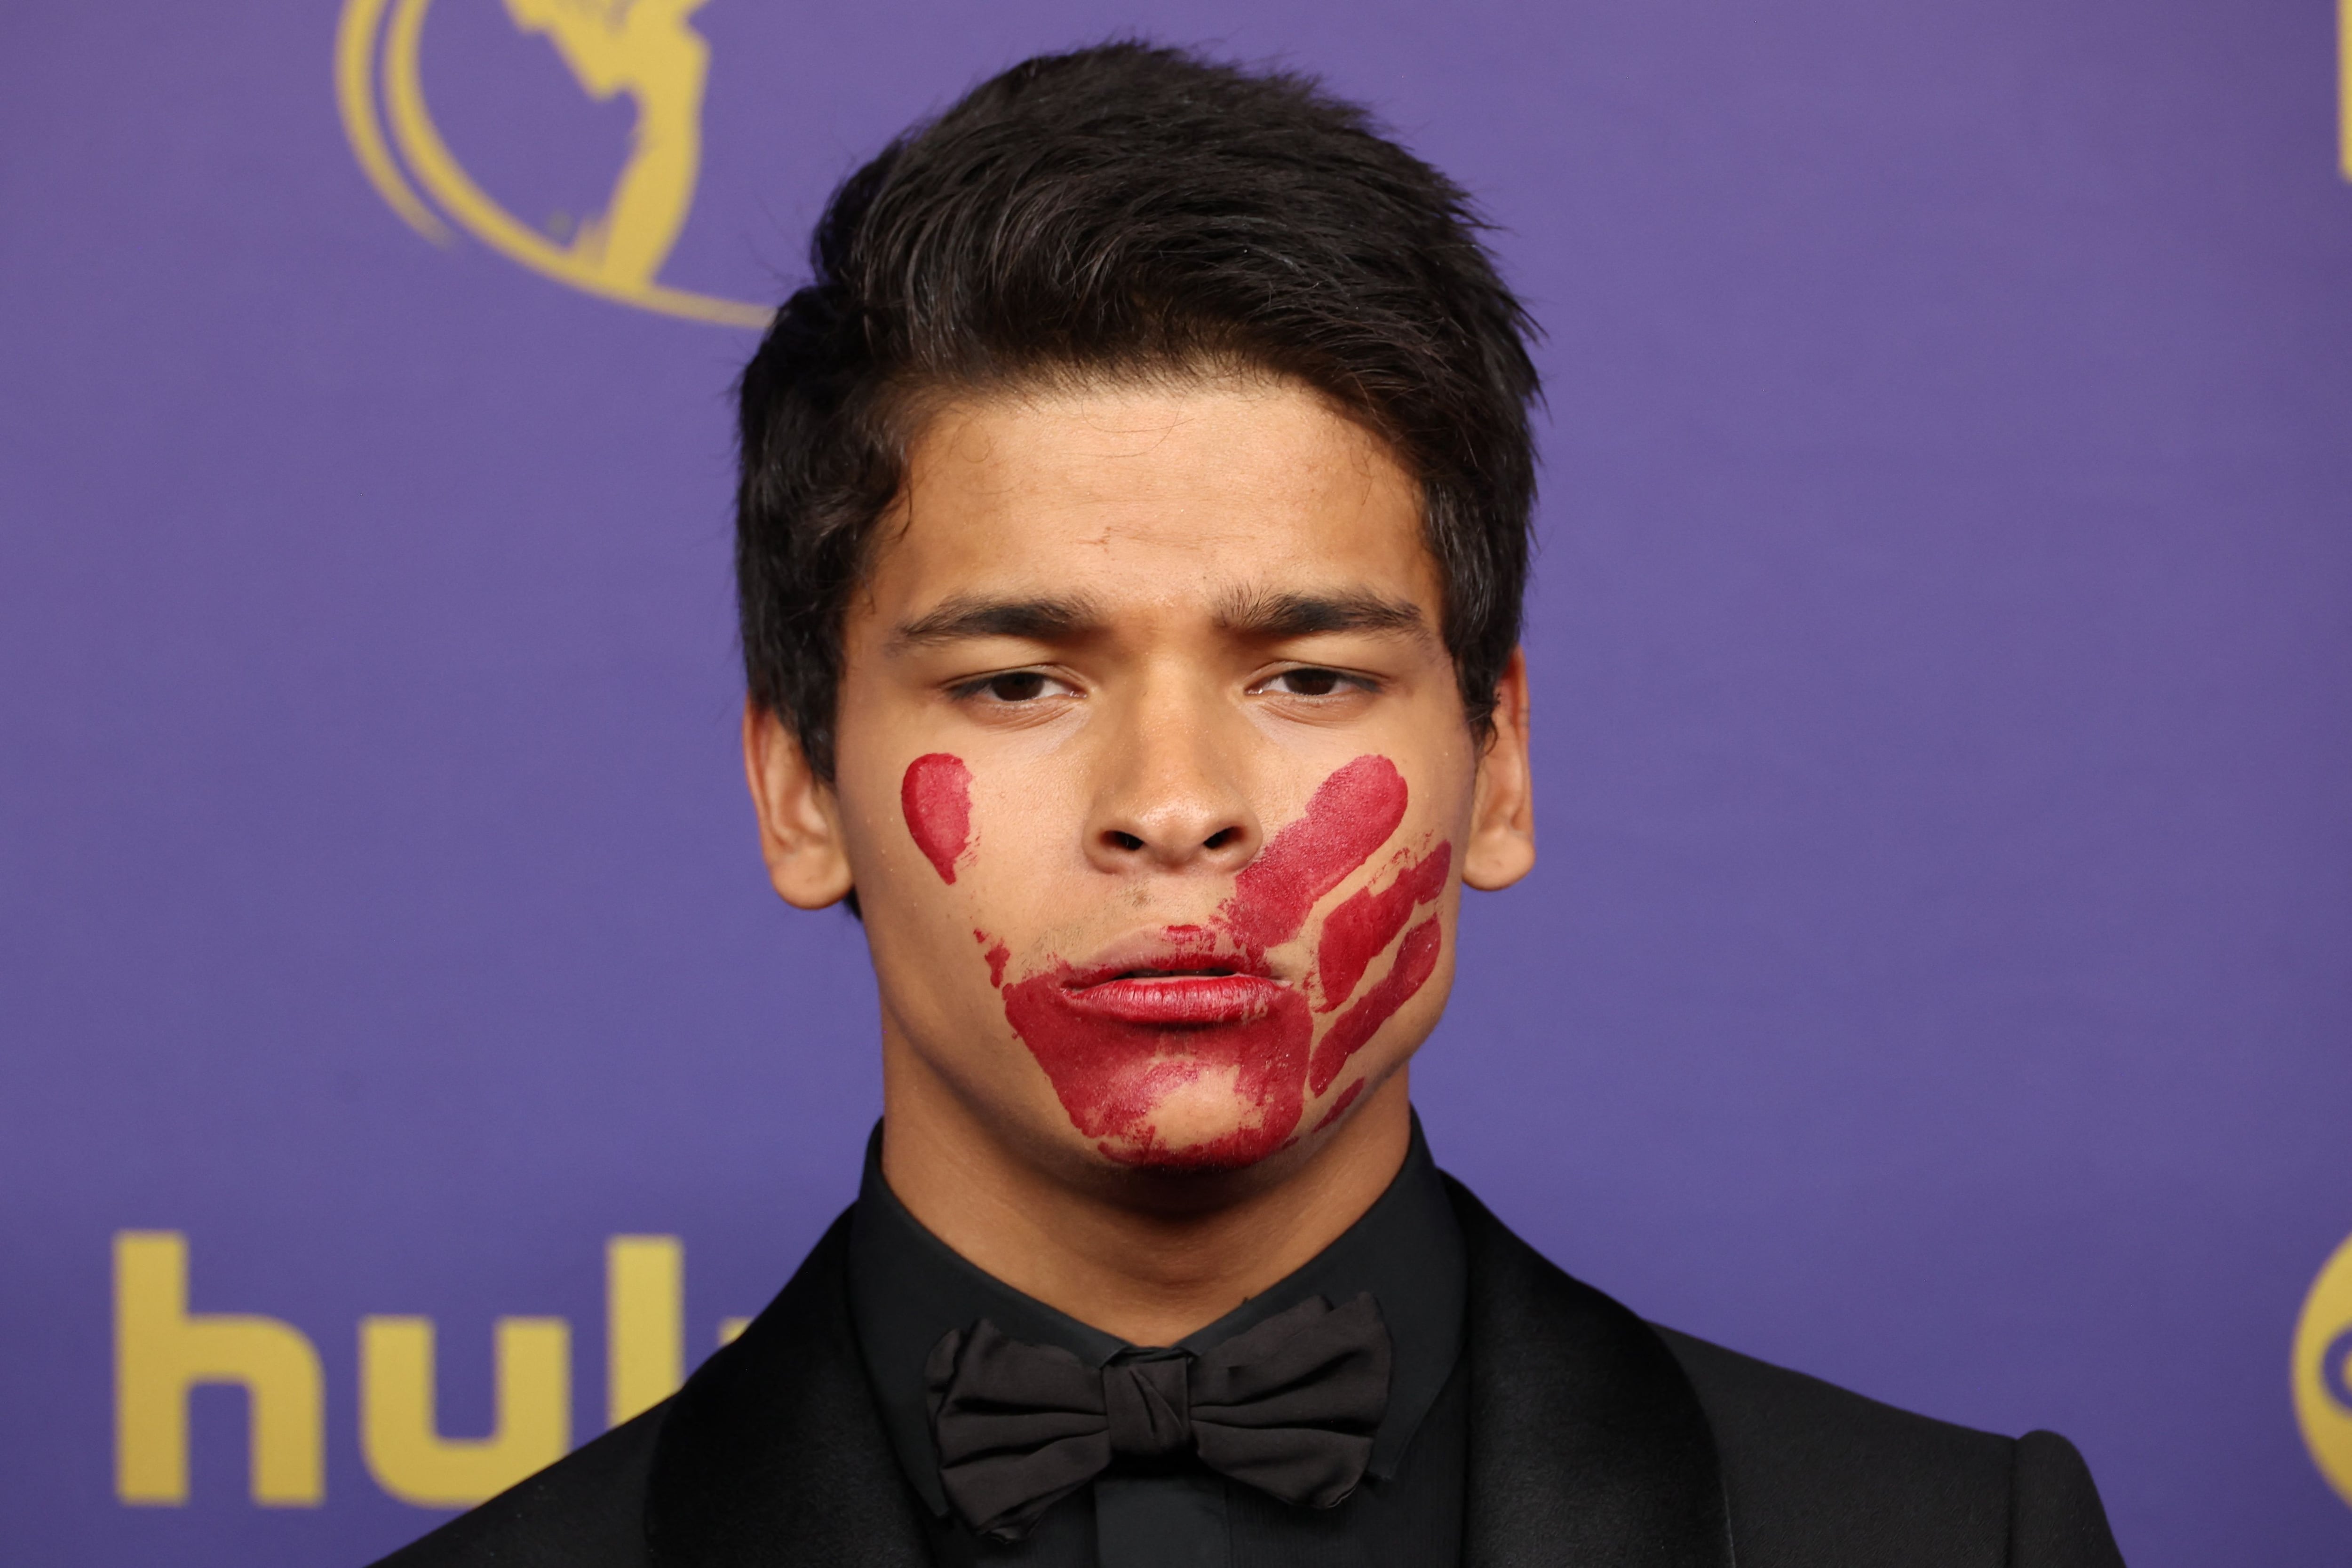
1595 1439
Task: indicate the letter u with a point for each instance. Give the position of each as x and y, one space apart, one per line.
161 1349
402 1441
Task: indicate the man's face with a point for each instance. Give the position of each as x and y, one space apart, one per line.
1152 774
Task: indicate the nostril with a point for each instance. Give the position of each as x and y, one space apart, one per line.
1220 839
1126 840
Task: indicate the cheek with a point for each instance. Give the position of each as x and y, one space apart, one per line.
936 796
1360 929
1352 814
1416 960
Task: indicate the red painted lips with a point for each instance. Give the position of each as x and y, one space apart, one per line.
1184 977
1179 1000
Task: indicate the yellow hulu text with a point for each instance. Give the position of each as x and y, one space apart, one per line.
161 1349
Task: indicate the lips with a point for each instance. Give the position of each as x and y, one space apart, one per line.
1174 985
1178 1000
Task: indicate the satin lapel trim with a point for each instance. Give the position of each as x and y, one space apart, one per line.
773 1455
1588 1446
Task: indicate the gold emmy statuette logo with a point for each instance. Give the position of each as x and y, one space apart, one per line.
645 49
2323 1371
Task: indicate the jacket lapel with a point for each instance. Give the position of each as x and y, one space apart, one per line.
1588 1447
773 1455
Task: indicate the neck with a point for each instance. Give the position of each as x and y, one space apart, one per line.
1148 1257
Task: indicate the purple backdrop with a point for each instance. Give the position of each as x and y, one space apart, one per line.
1939 972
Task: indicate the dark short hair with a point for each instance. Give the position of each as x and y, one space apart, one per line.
1130 210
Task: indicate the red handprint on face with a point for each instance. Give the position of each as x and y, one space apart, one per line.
1116 1038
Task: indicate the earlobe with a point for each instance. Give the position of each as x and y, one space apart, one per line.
1502 847
800 821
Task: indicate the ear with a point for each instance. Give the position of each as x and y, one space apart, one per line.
1502 846
799 820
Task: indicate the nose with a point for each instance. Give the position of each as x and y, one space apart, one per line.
1170 797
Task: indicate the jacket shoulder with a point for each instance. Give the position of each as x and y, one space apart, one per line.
772 1456
585 1510
1817 1474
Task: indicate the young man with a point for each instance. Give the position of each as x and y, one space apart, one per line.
1132 531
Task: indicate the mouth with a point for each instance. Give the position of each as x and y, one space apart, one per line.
1173 989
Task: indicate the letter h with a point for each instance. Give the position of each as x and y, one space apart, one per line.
161 1349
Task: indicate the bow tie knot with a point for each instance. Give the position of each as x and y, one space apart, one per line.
1289 1407
1148 1406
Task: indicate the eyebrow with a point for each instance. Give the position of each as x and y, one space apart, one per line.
1275 616
1263 615
962 618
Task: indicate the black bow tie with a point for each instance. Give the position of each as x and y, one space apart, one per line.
1288 1407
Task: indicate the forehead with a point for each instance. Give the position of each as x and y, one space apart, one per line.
1150 493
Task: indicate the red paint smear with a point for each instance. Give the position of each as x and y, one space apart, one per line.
1368 922
1416 960
1111 1077
997 957
1352 814
935 795
1340 1107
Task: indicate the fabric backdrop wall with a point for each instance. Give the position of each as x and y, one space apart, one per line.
1939 974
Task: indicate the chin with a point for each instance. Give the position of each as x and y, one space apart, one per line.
1204 1128
1239 1150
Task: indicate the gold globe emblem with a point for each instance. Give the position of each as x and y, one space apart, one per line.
644 49
2323 1371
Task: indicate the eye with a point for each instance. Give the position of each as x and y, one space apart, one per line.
1314 682
1014 686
